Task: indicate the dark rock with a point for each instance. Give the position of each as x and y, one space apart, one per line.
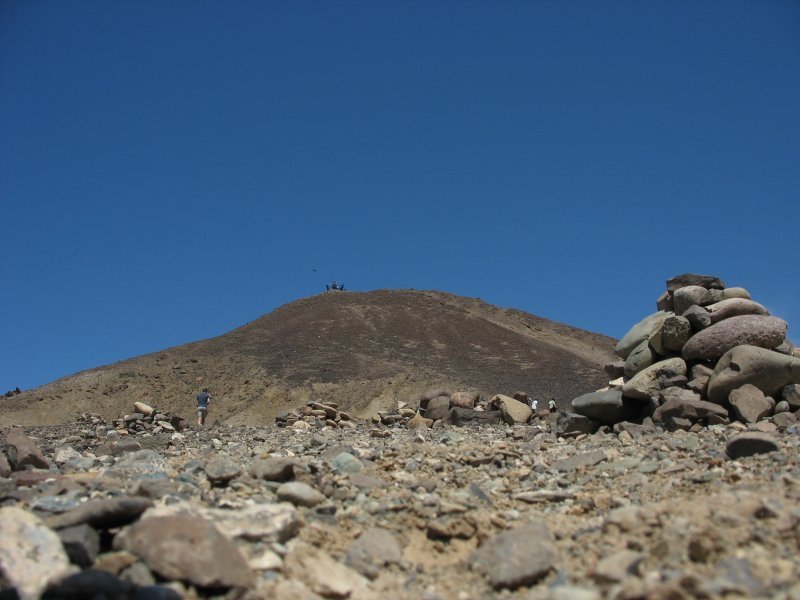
752 330
749 444
707 281
664 302
102 513
749 404
22 451
189 549
464 416
81 543
684 404
607 407
698 317
91 583
515 558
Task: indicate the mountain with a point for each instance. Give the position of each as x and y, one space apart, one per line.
366 350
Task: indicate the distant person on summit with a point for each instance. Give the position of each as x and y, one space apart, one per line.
203 398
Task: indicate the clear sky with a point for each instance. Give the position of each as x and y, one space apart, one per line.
172 170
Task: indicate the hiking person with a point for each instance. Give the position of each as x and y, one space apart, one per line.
203 399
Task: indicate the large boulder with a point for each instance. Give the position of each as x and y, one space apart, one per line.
734 307
767 370
707 281
638 333
751 330
646 384
607 407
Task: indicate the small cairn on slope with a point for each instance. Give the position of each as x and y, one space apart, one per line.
315 414
710 355
147 419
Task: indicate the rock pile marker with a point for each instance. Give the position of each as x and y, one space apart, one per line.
709 355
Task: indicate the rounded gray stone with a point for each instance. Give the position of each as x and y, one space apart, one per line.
749 444
638 360
688 296
299 494
698 317
735 292
638 333
767 370
647 383
751 330
734 307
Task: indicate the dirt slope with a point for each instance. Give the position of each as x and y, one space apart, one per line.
366 350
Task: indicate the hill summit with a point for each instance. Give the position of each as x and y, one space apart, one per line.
365 350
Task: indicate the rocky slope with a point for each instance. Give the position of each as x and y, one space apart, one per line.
369 512
364 351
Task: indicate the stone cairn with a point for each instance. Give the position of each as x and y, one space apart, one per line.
315 415
147 419
710 355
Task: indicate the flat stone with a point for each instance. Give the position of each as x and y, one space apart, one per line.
189 549
138 462
749 444
687 406
752 330
575 424
373 550
579 461
102 513
22 451
706 281
273 469
221 469
322 573
607 407
299 494
639 333
767 370
446 528
749 404
784 420
516 558
31 555
511 411
647 383
65 454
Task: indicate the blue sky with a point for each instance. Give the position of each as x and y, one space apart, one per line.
171 170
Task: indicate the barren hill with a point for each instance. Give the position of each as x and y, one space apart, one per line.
365 350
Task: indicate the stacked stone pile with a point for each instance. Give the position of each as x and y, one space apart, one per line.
315 414
709 355
146 419
440 406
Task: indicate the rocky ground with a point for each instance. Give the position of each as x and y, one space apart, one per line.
375 511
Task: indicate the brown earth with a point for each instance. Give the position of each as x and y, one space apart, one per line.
365 350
